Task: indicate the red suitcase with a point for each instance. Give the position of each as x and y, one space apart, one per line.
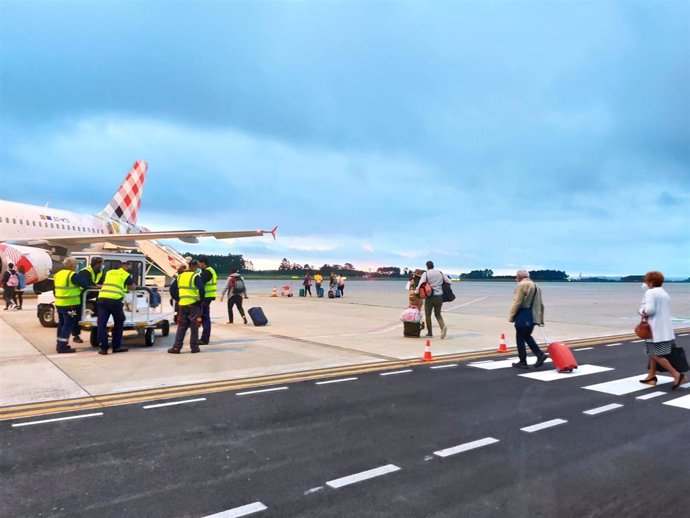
562 357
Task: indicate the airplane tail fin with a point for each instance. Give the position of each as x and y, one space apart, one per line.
127 200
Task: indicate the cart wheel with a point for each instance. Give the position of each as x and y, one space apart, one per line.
165 328
150 337
93 337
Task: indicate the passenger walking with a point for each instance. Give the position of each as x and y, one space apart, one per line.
318 279
435 278
656 306
9 283
412 283
92 274
19 292
332 283
307 284
116 284
210 279
190 293
68 288
236 289
341 284
527 298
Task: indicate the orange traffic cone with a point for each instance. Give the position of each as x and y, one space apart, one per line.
502 346
275 292
427 352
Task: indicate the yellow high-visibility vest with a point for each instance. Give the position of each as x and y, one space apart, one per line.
189 293
66 292
211 287
114 285
95 278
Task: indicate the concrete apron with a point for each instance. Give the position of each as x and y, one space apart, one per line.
302 335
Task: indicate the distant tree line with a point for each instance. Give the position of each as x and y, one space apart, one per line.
535 275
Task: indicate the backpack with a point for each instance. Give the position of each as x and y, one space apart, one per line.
238 287
13 280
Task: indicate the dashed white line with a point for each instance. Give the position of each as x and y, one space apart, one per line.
312 490
260 391
465 447
583 349
172 403
541 426
444 366
395 372
605 408
651 395
236 512
637 341
684 334
29 423
335 381
364 475
614 345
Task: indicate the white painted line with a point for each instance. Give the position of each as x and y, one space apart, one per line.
680 402
260 391
637 341
444 366
364 475
614 345
395 372
335 381
583 349
552 375
29 423
493 365
651 395
605 408
685 334
541 426
245 510
172 403
466 447
312 490
483 361
628 385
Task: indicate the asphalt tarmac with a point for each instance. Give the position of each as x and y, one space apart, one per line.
442 440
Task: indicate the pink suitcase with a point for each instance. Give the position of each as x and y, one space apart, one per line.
562 357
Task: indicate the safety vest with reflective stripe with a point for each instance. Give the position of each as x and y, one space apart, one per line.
114 284
189 293
95 278
66 292
211 287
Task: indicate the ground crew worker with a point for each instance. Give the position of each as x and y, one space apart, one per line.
92 274
210 280
109 303
68 288
188 294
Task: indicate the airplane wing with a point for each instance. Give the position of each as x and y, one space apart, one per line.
188 236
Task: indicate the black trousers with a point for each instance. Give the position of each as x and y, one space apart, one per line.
235 300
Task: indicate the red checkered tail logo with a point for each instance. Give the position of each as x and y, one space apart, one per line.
127 200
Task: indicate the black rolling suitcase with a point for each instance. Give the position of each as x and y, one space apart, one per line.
257 316
412 329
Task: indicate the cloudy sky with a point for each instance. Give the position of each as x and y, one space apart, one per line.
479 134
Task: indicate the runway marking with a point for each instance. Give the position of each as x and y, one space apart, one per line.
684 334
444 366
172 403
364 475
552 375
312 490
542 426
236 512
29 423
614 345
335 381
583 349
651 395
628 385
395 372
680 402
465 447
601 409
637 341
260 391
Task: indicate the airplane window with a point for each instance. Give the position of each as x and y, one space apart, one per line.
34 223
21 221
14 220
52 225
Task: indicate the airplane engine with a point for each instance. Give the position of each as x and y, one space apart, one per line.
37 262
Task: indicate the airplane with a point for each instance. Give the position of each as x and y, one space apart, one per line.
37 237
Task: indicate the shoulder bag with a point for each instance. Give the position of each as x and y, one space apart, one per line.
643 330
524 317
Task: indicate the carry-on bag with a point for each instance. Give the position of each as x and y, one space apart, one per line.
560 354
319 292
257 316
331 294
302 292
412 329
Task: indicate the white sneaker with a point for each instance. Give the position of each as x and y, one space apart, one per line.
444 332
